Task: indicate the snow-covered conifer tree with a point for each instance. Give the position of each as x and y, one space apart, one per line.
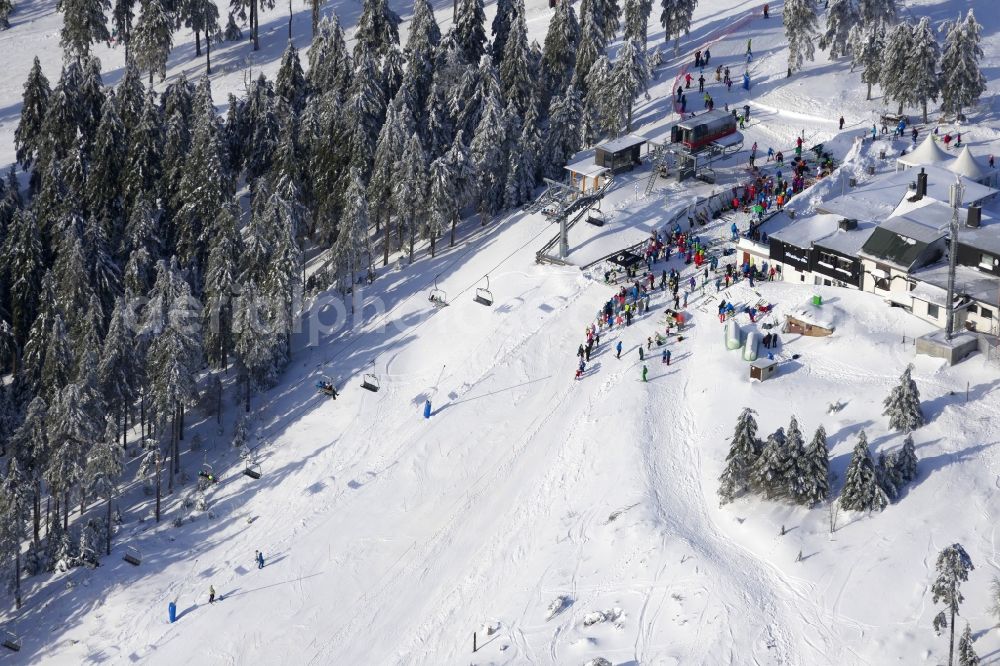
106 180
906 460
966 651
899 45
628 79
902 405
329 61
6 9
84 23
366 112
797 473
801 22
877 11
676 19
744 449
378 28
34 104
470 30
515 79
15 509
104 468
953 567
559 53
861 490
817 486
59 366
564 137
599 116
500 29
221 284
922 65
23 263
962 82
152 39
424 37
767 476
636 19
488 158
442 208
842 16
348 252
118 370
590 48
290 82
867 43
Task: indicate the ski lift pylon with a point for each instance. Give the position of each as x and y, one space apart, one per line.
132 556
438 296
483 295
370 380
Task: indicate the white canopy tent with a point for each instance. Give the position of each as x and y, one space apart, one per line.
967 165
928 152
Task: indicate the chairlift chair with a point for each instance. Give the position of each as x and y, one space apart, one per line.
370 381
327 387
206 472
596 217
438 296
483 295
132 556
11 641
252 470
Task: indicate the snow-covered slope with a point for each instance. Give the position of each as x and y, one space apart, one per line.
391 538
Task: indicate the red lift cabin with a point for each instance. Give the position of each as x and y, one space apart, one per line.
697 133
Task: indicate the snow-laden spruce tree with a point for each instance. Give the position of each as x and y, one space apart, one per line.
888 477
591 47
488 158
953 567
470 30
842 16
676 19
564 139
636 20
966 651
902 406
877 11
607 15
559 53
744 448
797 471
515 79
378 28
896 66
861 490
6 9
349 250
84 22
410 191
801 26
922 65
103 471
599 114
817 480
500 29
15 509
628 79
906 460
329 61
23 260
152 39
767 476
34 104
962 82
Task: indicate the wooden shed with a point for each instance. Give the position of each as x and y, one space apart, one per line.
621 154
763 368
812 320
586 176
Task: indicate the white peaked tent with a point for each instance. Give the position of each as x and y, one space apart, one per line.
928 152
967 165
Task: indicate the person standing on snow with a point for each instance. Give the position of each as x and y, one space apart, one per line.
641 356
645 371
211 594
618 349
580 368
766 13
842 122
258 557
579 352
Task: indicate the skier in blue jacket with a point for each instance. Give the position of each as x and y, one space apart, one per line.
618 349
